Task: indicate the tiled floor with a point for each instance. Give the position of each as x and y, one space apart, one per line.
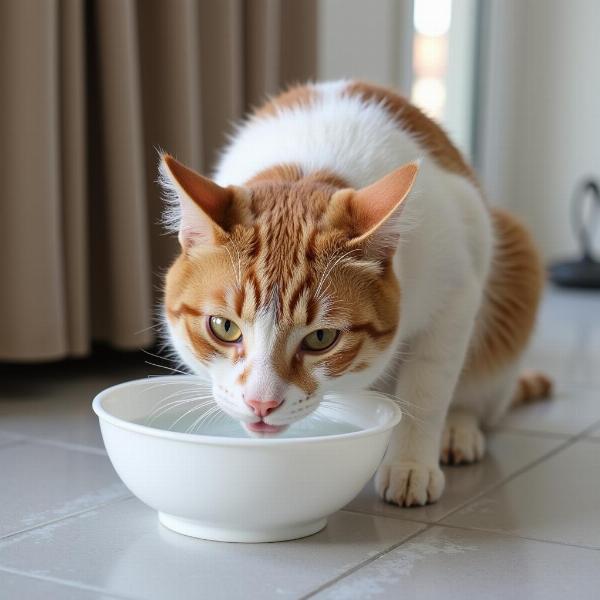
524 523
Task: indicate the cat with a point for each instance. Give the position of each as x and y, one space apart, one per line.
345 243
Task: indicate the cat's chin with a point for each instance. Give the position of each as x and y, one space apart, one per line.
262 429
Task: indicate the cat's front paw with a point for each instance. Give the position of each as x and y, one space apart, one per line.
409 483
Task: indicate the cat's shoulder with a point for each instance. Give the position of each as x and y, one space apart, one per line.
408 117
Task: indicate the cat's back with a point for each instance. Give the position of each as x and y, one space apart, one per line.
357 130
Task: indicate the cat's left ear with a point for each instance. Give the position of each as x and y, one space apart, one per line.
198 209
374 213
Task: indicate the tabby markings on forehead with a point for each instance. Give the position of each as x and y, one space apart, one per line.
371 330
184 309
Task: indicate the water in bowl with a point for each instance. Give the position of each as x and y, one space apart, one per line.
318 424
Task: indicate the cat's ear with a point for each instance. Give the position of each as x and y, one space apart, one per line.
374 213
197 207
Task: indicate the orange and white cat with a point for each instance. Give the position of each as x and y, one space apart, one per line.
344 241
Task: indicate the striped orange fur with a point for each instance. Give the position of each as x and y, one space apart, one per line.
286 256
295 247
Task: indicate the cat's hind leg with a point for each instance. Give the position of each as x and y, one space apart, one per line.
462 439
531 386
481 401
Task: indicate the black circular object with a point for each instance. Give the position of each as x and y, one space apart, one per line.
585 272
579 274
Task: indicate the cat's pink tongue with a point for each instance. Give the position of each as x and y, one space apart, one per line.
262 427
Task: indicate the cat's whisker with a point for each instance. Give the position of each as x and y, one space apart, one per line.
194 387
155 326
403 405
179 403
181 399
205 416
171 369
179 392
165 357
176 394
198 421
215 416
194 408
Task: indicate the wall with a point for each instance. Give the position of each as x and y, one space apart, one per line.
366 40
540 110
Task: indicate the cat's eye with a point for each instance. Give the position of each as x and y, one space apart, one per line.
225 329
320 340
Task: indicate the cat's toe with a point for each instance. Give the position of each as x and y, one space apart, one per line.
462 444
409 483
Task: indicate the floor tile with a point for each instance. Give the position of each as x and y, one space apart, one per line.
507 453
6 439
594 434
452 563
56 410
124 550
557 500
570 411
566 343
18 587
41 483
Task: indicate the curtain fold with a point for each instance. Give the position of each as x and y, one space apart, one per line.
90 91
71 151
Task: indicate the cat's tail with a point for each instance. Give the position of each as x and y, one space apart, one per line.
532 386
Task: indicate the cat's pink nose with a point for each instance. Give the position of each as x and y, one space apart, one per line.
262 408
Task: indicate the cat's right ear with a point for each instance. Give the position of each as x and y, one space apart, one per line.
197 208
373 214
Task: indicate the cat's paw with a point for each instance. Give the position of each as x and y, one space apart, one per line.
409 483
462 442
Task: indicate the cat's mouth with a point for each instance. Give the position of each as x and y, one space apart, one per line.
262 427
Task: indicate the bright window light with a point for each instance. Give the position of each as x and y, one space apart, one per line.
430 94
432 17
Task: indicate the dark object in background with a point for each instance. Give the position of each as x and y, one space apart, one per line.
585 272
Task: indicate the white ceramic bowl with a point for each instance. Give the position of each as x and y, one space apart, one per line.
240 489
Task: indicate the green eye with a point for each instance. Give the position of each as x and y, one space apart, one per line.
225 330
320 339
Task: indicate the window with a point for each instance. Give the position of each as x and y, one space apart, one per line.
444 51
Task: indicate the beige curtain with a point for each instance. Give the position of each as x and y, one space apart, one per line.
88 92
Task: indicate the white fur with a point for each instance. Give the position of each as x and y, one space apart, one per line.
442 261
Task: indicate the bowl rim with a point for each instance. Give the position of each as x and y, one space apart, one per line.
104 415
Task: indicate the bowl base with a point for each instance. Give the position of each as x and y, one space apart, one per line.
200 529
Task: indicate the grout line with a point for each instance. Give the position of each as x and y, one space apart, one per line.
593 428
484 490
10 434
590 429
364 563
504 481
438 523
57 443
11 443
518 472
429 526
69 446
65 583
357 511
532 432
64 518
519 537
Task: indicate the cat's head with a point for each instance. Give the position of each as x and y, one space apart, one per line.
284 289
